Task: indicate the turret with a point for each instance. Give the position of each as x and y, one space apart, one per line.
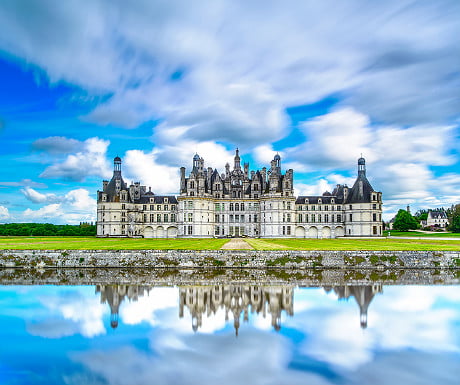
361 167
117 166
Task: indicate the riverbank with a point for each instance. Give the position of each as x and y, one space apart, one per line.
256 259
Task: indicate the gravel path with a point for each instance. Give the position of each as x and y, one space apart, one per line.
237 244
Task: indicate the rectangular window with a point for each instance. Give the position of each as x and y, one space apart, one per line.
123 206
351 207
255 217
288 229
190 204
145 217
216 230
374 217
144 207
231 218
159 207
165 207
289 205
152 217
190 217
152 207
284 230
374 206
216 218
351 217
165 217
288 217
173 217
158 217
190 230
339 218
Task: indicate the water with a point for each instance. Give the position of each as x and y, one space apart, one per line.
230 334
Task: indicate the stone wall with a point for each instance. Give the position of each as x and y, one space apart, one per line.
250 259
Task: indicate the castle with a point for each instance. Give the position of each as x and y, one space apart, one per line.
238 203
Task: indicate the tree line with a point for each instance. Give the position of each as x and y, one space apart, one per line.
47 229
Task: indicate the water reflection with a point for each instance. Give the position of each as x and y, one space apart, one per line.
237 300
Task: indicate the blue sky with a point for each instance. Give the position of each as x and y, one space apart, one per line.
154 82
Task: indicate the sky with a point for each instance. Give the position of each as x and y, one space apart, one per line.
154 82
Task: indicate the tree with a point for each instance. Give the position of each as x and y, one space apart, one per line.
405 221
421 215
454 219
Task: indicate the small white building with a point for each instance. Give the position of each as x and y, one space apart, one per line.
436 218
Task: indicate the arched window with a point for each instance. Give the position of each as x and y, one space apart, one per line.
237 207
231 206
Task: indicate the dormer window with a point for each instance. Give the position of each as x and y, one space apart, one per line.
320 201
152 200
165 200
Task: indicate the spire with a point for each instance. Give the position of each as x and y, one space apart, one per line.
361 167
237 165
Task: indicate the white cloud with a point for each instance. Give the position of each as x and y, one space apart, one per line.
74 207
90 159
4 213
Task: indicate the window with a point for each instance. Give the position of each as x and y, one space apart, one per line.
159 207
231 218
237 207
173 217
216 230
189 205
288 230
166 207
255 217
165 200
158 217
339 218
190 230
190 217
152 207
231 207
165 217
351 207
192 194
351 217
313 219
288 217
374 206
374 230
284 230
123 206
326 217
145 217
192 184
256 187
216 218
144 207
374 217
152 217
242 206
289 205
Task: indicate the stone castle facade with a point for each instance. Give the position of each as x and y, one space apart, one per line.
238 203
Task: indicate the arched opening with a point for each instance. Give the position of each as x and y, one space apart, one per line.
313 232
326 232
299 232
148 232
160 232
171 232
339 231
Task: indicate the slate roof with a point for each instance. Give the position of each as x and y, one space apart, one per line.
361 191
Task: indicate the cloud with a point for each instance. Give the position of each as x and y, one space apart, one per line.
57 145
231 75
89 159
4 213
25 183
74 207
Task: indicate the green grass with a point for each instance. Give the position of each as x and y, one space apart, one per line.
93 243
395 233
354 244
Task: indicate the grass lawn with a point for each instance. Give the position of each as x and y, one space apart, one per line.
93 243
433 234
354 244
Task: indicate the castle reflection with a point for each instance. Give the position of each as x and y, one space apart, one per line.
239 300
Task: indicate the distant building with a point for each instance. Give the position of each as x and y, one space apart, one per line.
238 203
436 218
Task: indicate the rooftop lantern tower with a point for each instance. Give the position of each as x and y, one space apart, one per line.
361 167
